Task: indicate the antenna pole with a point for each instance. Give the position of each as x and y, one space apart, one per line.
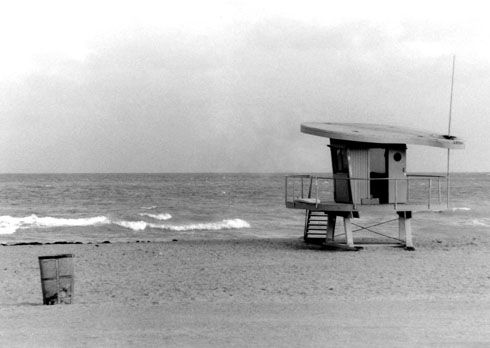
449 129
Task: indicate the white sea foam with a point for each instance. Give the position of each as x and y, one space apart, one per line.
454 210
461 209
10 224
209 226
163 216
133 225
150 207
222 225
481 222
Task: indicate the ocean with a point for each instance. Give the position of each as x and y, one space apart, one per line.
162 207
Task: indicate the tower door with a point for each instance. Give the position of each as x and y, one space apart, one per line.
397 163
378 173
359 174
340 167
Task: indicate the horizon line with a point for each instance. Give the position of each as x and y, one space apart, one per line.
204 172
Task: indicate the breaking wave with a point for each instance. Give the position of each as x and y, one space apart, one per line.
222 225
485 222
455 211
133 225
460 209
208 226
163 216
9 224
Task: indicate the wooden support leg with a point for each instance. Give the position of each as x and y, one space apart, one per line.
405 228
401 227
331 227
348 231
408 234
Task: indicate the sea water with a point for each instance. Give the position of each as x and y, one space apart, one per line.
162 207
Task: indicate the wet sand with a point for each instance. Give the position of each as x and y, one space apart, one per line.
256 292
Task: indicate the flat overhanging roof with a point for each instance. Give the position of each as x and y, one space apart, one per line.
381 134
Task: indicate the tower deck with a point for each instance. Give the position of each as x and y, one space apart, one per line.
317 196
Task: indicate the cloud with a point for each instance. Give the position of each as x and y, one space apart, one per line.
155 100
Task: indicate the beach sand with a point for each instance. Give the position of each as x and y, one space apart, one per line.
254 292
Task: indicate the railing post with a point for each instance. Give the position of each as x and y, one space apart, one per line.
439 190
293 191
286 190
316 184
302 195
309 188
430 191
396 194
447 187
408 189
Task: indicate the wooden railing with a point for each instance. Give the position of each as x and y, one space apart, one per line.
421 189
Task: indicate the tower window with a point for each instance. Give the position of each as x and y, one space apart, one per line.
340 162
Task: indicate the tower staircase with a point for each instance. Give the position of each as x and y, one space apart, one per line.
316 223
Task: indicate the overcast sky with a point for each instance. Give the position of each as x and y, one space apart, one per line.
205 86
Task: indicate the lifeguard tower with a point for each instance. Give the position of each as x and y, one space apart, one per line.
369 165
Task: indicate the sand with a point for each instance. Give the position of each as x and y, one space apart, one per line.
255 292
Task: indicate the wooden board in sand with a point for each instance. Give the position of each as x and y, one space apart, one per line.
383 134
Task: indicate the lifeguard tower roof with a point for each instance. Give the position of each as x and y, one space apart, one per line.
380 134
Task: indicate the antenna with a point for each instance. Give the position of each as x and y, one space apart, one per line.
449 129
